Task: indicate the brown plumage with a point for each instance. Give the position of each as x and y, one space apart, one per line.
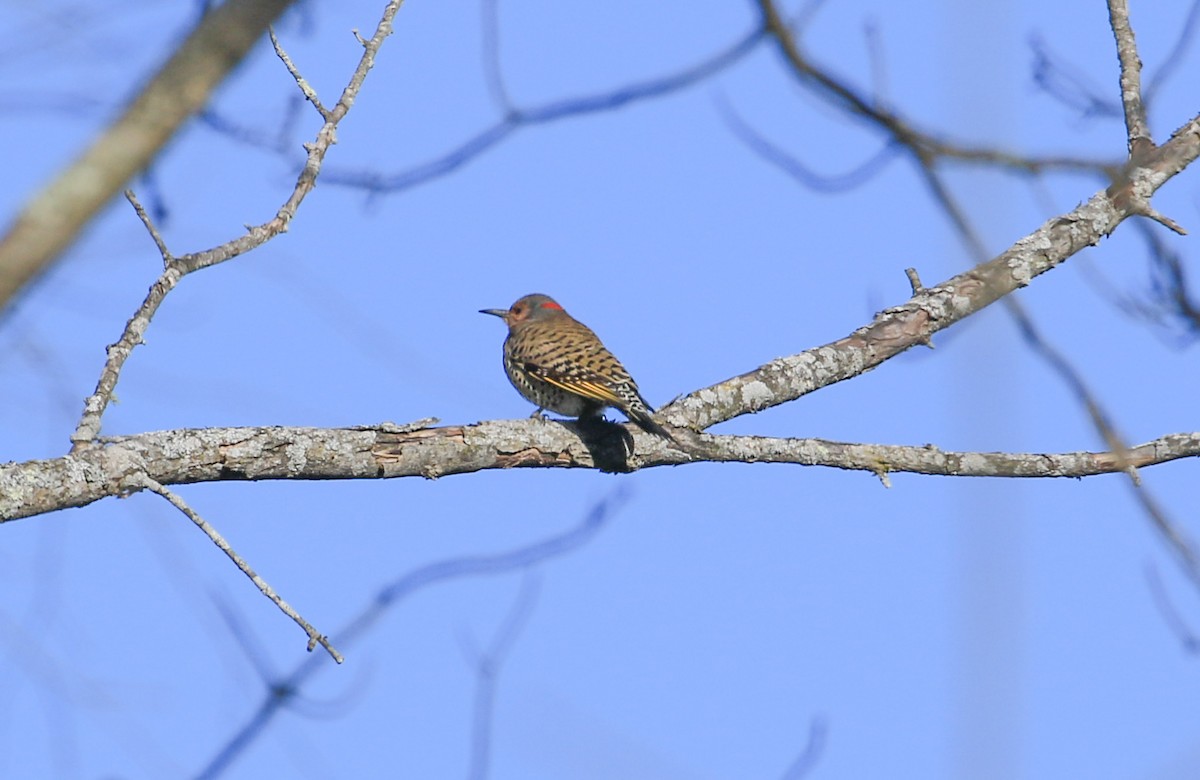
558 363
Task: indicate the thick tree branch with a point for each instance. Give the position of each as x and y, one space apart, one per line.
219 454
1129 194
1070 375
934 308
83 477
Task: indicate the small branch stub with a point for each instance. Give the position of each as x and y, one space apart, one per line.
914 280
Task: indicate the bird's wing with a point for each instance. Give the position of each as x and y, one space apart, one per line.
584 384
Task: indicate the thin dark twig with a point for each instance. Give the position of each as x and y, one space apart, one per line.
487 672
277 141
1068 85
775 155
879 80
1169 285
805 16
926 157
491 57
251 647
924 146
380 183
392 594
273 684
1168 302
518 118
1158 591
1187 32
151 188
1181 545
1184 550
55 369
804 763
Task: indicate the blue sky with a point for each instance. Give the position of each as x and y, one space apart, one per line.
937 628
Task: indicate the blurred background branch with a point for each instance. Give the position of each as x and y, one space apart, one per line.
54 217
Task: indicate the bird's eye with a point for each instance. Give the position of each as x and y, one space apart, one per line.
516 310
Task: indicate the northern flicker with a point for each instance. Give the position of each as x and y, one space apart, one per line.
558 363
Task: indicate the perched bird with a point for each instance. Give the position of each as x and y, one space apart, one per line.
558 363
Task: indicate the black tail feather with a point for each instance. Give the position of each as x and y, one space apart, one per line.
649 425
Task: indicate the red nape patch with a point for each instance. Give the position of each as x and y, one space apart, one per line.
551 305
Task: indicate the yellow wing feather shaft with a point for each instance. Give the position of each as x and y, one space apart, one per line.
588 389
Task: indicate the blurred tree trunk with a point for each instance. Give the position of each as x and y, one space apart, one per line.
54 217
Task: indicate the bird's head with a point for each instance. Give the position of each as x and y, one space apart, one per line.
527 309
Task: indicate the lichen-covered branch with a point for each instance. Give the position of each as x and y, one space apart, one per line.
197 456
386 452
935 308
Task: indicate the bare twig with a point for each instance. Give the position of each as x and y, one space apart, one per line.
1164 220
1131 79
789 164
1068 85
1129 193
879 80
935 308
175 268
924 146
286 688
93 408
1187 637
914 280
95 405
278 140
154 234
487 671
518 118
811 754
1100 419
1170 295
515 118
1183 548
314 637
491 57
1061 365
1187 32
310 94
1179 543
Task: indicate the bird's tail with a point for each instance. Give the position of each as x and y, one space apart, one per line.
649 425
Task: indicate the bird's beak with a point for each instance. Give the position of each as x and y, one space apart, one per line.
501 313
